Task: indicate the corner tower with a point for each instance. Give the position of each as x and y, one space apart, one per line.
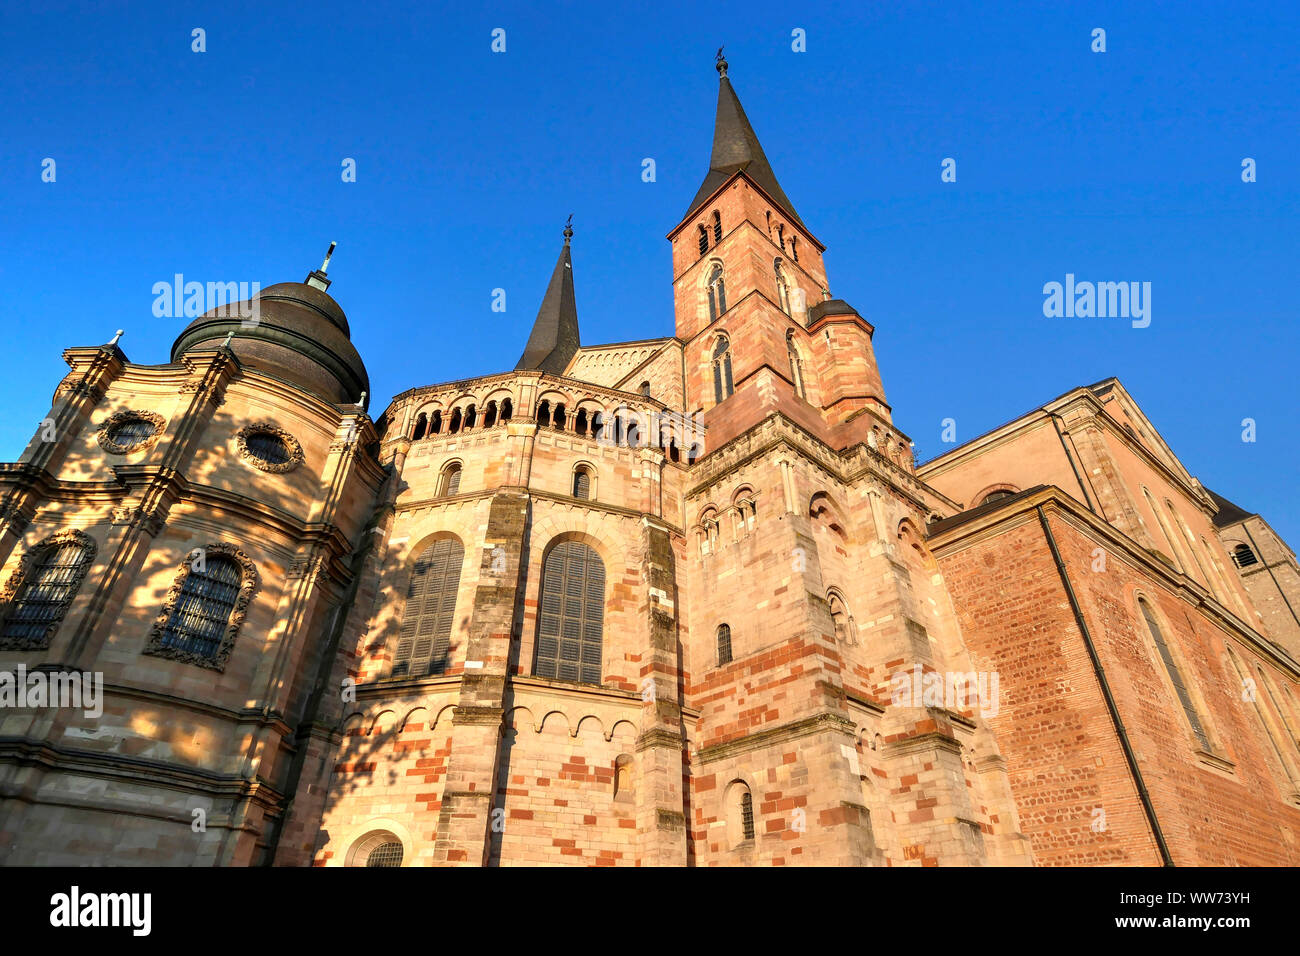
753 302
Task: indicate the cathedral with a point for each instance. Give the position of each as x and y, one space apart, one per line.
678 601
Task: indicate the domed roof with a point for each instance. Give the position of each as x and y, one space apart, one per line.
299 334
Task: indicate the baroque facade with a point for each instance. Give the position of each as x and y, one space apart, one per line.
675 601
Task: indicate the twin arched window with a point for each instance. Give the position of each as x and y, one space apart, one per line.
43 587
570 621
717 293
424 642
723 387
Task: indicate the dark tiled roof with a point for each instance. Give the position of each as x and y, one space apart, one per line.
830 307
554 339
736 149
1228 512
945 524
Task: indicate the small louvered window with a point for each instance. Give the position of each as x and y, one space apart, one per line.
1243 556
571 620
704 241
717 226
582 483
724 644
747 815
44 596
198 621
1175 676
424 642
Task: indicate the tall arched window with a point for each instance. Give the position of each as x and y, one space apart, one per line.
780 236
724 644
1175 675
421 425
796 365
505 410
198 620
558 418
571 619
544 414
471 417
453 426
490 415
450 484
782 288
645 389
722 385
47 578
739 814
794 248
581 422
1164 529
424 642
435 423
703 240
846 629
717 226
717 293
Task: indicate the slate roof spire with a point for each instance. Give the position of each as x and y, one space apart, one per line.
736 149
554 339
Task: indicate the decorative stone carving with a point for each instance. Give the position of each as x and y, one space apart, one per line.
25 565
248 586
269 428
105 434
309 568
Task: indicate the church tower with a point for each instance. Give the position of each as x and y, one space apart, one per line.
810 588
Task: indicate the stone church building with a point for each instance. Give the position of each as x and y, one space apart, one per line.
683 601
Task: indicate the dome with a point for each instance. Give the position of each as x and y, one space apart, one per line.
301 336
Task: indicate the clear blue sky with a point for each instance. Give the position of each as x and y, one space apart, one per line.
1126 165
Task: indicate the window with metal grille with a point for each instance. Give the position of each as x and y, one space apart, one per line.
571 620
1243 556
747 815
1175 675
424 642
198 622
43 598
270 448
386 854
722 384
717 226
724 644
582 483
132 432
451 480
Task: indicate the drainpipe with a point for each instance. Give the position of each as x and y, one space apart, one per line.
1129 757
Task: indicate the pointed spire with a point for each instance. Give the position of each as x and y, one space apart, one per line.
554 339
736 149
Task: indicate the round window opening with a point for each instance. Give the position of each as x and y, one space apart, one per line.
130 431
378 848
269 448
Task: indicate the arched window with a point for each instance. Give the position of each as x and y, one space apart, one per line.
421 425
704 240
506 410
645 389
582 482
47 578
424 642
722 384
633 434
544 414
846 629
780 236
1175 675
598 426
717 293
385 855
782 288
558 419
1243 556
450 484
571 618
717 226
796 365
435 423
739 814
453 426
490 415
724 644
581 423
471 417
379 848
1254 690
1164 529
794 248
196 626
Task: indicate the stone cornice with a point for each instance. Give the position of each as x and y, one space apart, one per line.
817 723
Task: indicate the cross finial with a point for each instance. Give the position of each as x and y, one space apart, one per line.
568 229
325 266
720 63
